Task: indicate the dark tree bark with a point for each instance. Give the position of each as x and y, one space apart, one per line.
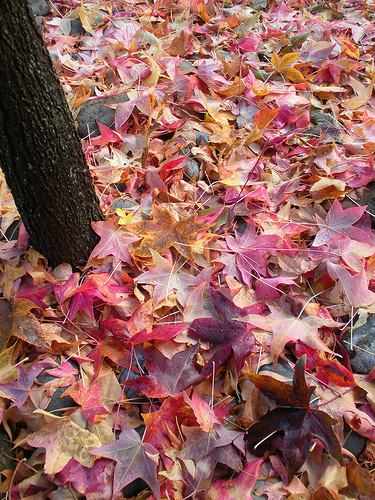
40 152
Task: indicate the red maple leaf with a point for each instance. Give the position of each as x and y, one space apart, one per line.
167 376
89 400
249 253
114 241
227 334
134 458
340 221
299 422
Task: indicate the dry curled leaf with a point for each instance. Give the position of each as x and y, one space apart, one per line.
19 321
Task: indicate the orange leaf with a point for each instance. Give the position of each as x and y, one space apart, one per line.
282 64
350 49
203 13
164 232
21 322
261 120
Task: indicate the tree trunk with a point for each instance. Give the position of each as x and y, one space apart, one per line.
40 152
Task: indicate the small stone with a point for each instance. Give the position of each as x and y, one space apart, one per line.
97 110
192 169
40 7
353 441
361 346
123 203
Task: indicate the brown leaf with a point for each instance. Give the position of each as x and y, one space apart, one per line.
63 440
182 44
22 323
164 232
360 481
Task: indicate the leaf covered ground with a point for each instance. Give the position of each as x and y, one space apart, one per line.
234 245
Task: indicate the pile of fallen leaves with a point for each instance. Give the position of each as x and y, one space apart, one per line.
226 255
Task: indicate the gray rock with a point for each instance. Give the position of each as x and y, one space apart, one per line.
76 27
7 455
40 7
97 109
192 169
353 442
121 203
362 355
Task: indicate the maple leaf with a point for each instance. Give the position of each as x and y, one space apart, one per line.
249 249
63 439
340 221
167 279
364 94
164 232
217 445
286 327
20 389
95 479
162 426
134 459
21 322
350 251
300 422
228 333
328 371
261 121
352 289
88 398
282 64
167 376
237 488
96 286
206 416
113 241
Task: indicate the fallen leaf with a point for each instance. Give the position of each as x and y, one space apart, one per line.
20 322
63 440
113 241
295 417
134 459
167 377
282 64
164 232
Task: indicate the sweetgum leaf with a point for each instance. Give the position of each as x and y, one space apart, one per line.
63 440
167 376
340 221
113 241
134 459
299 422
164 232
229 334
22 323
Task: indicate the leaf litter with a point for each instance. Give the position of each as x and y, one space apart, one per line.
229 247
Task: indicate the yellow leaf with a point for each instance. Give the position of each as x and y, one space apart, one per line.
164 231
63 440
260 92
327 189
124 217
153 78
203 13
364 94
282 64
350 49
88 18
